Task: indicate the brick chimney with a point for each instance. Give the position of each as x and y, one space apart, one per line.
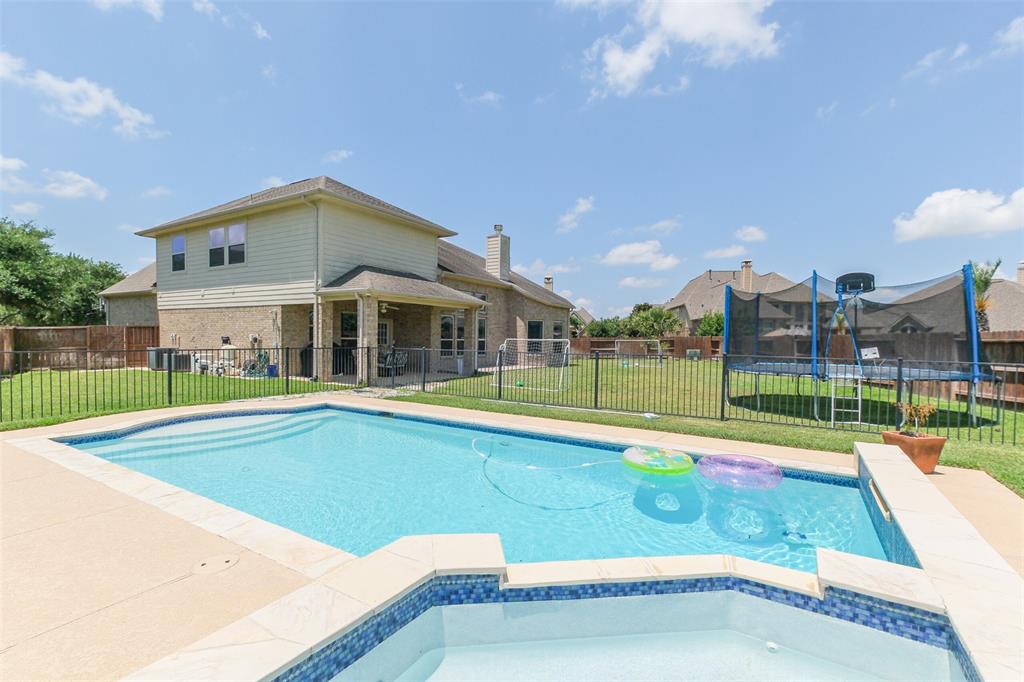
497 254
747 275
549 282
1020 272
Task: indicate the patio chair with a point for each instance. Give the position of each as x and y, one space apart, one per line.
392 363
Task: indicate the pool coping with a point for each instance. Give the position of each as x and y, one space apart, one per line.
966 580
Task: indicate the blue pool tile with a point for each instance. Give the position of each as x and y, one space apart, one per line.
896 619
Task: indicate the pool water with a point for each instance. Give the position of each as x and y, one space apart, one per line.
359 481
702 636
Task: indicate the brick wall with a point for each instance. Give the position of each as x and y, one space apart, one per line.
204 327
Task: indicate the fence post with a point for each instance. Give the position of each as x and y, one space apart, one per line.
725 386
287 371
597 378
168 362
899 391
501 371
423 369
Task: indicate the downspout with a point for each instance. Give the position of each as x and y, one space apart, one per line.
317 334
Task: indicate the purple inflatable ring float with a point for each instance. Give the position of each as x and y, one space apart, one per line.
740 471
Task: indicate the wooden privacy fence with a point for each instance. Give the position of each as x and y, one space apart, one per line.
87 347
674 345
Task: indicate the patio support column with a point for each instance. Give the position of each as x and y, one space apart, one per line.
323 324
366 365
471 332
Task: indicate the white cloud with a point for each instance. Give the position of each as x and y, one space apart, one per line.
10 181
144 260
206 7
826 112
259 31
337 155
80 99
619 311
582 302
269 72
726 251
539 267
1012 37
959 51
751 233
718 34
11 164
570 220
271 181
926 63
641 253
154 8
565 293
26 208
962 212
666 226
156 192
131 229
487 97
65 184
659 90
641 282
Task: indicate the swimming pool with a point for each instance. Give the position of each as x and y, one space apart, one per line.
358 481
708 635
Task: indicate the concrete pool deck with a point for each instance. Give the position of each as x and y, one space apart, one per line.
97 583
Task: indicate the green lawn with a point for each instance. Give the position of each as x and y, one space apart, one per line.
694 389
1005 463
42 397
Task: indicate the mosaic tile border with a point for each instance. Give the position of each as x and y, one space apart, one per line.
788 472
894 542
896 619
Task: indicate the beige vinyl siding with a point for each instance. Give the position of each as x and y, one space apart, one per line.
352 237
278 267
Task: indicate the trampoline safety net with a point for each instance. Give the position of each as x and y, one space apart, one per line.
926 322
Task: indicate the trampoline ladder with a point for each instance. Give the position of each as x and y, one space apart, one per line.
846 408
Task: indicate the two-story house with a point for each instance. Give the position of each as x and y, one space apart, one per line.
319 264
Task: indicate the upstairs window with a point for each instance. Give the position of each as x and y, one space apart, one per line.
231 238
236 244
217 246
178 253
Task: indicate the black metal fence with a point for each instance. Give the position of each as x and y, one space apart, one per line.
45 386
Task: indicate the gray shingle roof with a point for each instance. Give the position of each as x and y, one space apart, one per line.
460 261
141 282
295 189
1005 306
705 293
584 315
381 281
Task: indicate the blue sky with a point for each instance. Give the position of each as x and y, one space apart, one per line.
626 147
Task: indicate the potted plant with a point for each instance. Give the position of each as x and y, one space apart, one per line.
922 449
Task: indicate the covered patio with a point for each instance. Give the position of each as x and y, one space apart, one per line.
376 321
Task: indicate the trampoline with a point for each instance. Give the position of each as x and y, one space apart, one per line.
846 332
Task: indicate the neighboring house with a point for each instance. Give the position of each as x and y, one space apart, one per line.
318 263
132 301
1006 303
705 293
585 316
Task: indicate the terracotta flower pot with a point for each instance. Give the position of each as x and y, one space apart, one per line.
922 450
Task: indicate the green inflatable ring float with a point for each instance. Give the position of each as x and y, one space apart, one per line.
658 461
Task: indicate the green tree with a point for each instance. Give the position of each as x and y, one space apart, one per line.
28 283
640 308
609 326
984 273
712 324
576 325
653 323
39 287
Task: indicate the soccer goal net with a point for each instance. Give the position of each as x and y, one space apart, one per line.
533 364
